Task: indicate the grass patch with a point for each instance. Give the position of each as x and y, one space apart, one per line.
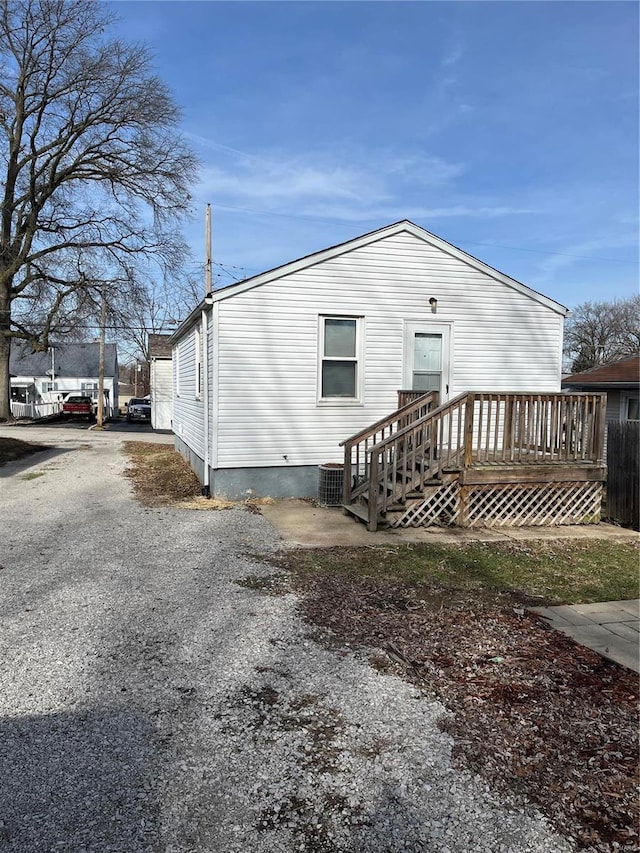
33 475
12 449
564 571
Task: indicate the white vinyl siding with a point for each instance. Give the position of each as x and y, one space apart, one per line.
188 412
267 411
161 394
198 359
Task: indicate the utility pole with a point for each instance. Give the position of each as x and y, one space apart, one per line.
103 323
207 240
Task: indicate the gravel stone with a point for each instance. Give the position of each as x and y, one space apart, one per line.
149 701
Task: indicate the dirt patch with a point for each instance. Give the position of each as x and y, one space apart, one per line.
12 449
531 711
272 584
161 477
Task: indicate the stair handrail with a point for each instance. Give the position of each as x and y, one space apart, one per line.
396 415
406 411
450 404
434 416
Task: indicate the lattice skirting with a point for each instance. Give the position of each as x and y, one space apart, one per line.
505 505
440 507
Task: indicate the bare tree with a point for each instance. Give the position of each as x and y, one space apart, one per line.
153 306
94 176
598 332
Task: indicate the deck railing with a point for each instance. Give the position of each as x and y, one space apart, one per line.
357 449
473 430
535 429
405 397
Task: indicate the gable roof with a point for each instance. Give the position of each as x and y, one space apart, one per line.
622 372
159 346
71 360
373 236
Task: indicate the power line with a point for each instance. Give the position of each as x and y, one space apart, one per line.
127 328
562 254
331 221
230 274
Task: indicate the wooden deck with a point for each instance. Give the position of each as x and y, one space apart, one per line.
483 458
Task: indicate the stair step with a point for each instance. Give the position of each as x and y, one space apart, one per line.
359 511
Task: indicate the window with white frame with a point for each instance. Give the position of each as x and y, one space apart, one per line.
90 389
340 359
631 407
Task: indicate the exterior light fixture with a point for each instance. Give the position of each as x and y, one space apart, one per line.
434 304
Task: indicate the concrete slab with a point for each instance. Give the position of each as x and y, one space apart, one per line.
603 612
302 523
590 635
608 628
574 531
555 620
627 630
632 607
563 614
624 655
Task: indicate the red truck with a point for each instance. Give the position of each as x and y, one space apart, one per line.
78 407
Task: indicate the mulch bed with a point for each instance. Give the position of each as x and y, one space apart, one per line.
533 712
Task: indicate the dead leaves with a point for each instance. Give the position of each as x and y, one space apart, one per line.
532 712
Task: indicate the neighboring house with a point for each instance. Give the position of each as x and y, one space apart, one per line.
161 381
125 392
271 374
41 379
619 379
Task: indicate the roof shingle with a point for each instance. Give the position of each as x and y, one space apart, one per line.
625 371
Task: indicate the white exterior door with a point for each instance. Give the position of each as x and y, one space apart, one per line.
427 358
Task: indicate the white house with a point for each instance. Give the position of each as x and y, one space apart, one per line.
39 379
161 381
272 373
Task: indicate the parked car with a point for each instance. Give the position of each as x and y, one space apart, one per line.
75 406
139 409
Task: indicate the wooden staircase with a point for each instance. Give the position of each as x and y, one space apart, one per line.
481 458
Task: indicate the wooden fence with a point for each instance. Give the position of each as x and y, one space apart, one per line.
623 482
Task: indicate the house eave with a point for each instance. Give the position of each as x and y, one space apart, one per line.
373 237
193 318
596 386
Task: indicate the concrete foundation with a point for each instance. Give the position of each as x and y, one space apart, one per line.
289 481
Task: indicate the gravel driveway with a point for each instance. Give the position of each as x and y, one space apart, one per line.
151 703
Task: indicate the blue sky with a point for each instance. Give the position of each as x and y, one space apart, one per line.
508 128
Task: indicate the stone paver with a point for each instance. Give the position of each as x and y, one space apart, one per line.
609 628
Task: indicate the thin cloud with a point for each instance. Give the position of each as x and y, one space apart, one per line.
577 253
453 55
350 187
